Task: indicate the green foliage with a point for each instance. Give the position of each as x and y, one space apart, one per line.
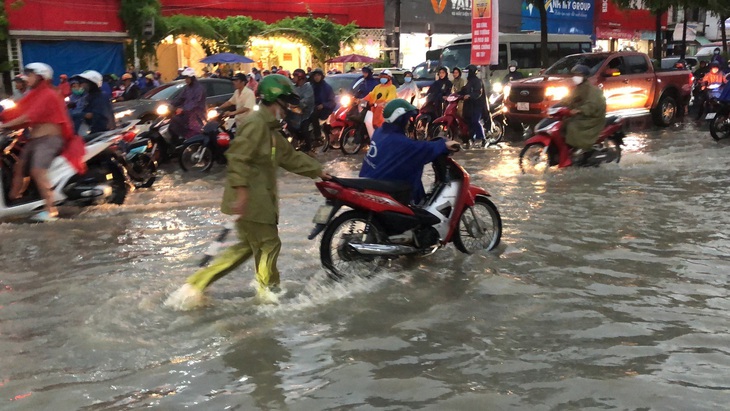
320 34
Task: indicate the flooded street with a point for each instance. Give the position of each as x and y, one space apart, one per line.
609 291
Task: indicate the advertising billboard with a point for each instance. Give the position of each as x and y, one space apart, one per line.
563 16
81 16
446 16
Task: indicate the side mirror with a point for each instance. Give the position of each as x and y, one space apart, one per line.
612 72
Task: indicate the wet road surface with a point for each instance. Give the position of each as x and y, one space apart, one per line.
609 291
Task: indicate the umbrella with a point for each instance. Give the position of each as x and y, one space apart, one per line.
226 58
353 58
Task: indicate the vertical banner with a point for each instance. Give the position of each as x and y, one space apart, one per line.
484 32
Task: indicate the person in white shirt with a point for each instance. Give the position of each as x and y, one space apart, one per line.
243 99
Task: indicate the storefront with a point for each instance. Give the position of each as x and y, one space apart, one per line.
618 30
69 36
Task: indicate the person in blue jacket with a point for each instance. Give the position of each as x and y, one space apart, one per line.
324 100
394 157
366 84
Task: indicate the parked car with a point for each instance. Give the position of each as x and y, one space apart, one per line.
146 107
631 85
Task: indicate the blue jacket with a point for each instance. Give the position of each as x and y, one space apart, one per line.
365 86
395 157
323 94
725 95
101 109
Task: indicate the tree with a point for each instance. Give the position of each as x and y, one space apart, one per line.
721 8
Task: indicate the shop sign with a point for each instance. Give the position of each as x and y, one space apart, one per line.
100 16
485 32
563 16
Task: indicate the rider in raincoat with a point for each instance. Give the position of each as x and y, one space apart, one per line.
254 157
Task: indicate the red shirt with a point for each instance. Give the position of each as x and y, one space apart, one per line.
43 105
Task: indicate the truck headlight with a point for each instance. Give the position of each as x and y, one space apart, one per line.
506 90
556 93
497 88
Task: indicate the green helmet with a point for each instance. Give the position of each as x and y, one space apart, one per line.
396 108
276 86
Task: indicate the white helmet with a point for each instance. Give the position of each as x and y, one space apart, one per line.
188 72
93 76
387 73
40 69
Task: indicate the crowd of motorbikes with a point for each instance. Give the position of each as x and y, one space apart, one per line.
707 101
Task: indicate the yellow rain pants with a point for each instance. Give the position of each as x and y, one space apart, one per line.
257 239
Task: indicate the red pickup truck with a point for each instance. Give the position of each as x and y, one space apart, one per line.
631 85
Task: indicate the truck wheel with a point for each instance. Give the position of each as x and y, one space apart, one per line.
665 112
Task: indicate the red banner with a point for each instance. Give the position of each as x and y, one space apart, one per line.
613 22
101 16
484 32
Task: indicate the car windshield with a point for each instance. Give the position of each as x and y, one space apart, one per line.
164 92
340 83
456 56
564 65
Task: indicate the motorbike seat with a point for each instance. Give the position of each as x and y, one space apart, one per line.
399 190
612 120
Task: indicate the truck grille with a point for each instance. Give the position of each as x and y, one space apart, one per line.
528 95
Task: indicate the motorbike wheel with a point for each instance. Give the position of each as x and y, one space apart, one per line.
196 157
480 227
337 258
143 172
421 128
720 126
494 134
441 131
614 147
534 159
351 141
332 140
118 182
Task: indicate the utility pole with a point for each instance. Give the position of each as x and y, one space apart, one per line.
396 34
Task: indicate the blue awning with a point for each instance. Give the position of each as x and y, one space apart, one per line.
73 57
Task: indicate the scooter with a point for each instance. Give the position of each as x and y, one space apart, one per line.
450 125
419 127
356 136
720 120
381 224
200 151
494 111
105 180
539 154
136 152
338 121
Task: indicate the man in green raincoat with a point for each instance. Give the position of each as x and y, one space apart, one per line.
251 193
588 109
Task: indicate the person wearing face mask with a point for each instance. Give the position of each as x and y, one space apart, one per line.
587 106
718 58
366 84
474 104
77 104
254 157
98 113
381 94
513 73
408 91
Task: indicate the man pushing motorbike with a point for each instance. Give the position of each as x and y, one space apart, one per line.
588 116
254 156
43 111
395 157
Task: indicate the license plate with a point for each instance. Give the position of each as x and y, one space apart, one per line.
523 106
710 116
322 215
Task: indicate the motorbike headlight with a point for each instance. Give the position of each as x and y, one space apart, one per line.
163 110
122 114
556 93
212 113
497 87
7 103
345 100
506 90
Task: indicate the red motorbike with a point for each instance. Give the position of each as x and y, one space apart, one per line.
381 224
450 125
337 122
419 127
539 154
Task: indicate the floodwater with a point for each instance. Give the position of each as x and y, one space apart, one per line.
609 291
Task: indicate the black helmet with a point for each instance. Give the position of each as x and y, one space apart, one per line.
513 63
471 68
317 71
368 69
715 64
581 69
